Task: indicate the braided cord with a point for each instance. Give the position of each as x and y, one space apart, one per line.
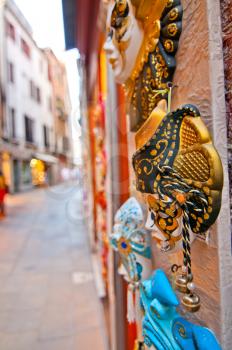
186 243
197 202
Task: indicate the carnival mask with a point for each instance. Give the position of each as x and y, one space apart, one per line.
163 327
141 43
123 39
131 241
180 172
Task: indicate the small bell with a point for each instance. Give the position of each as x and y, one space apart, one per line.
191 300
182 280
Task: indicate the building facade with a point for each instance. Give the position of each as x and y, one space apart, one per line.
29 121
61 108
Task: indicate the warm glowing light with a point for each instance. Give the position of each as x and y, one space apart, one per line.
33 163
38 172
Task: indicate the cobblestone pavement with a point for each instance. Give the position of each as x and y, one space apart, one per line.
48 299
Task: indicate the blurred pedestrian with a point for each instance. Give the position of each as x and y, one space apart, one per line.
3 192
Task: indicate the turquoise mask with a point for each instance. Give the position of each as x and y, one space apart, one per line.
132 241
163 327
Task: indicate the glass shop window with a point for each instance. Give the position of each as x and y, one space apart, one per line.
26 173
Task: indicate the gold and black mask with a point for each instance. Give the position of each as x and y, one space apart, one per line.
120 20
180 165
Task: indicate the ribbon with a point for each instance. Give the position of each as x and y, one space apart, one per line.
131 313
138 315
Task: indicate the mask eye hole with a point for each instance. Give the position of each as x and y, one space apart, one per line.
152 216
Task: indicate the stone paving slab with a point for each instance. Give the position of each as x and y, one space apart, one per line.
48 298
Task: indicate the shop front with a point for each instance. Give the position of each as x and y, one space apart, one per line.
43 169
15 165
6 167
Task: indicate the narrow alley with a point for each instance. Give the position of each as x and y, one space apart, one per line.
48 298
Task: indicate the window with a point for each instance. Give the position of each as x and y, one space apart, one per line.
26 173
25 48
38 95
32 89
29 129
11 72
12 123
10 30
46 136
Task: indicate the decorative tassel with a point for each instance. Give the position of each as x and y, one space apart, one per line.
131 314
137 305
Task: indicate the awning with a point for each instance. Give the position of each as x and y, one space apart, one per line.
47 158
70 23
80 25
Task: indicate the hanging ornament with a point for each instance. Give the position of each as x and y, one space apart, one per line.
180 173
131 317
132 242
